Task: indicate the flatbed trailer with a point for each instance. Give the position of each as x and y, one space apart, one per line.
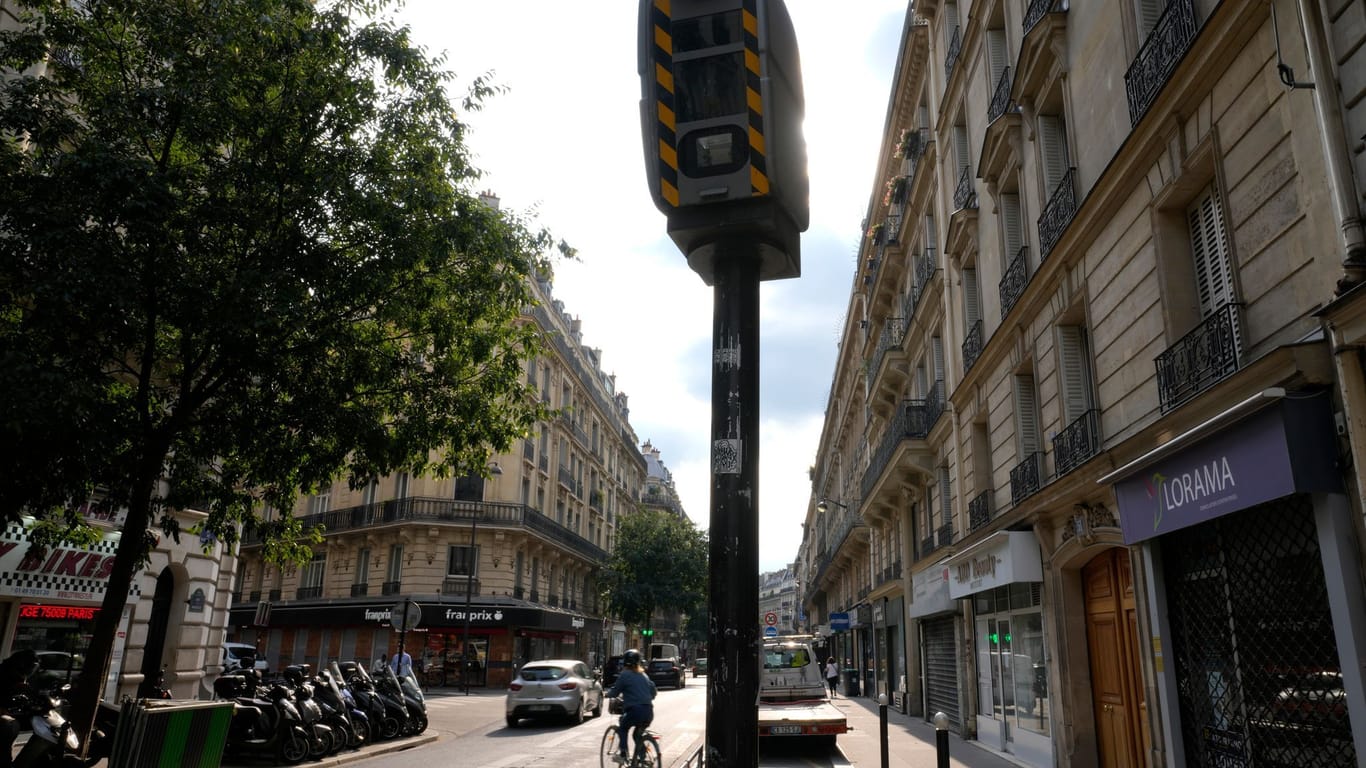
792 693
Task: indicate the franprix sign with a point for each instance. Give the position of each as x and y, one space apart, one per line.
434 615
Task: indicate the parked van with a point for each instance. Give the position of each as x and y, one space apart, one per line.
238 656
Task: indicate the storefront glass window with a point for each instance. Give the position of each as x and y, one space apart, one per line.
60 635
1013 674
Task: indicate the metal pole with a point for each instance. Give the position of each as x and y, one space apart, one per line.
882 727
941 739
469 589
732 739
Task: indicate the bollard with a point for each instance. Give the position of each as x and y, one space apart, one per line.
882 725
941 739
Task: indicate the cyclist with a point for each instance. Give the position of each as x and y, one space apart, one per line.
637 693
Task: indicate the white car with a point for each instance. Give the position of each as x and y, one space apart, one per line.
235 654
554 688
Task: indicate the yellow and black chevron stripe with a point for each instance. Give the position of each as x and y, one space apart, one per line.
758 163
664 101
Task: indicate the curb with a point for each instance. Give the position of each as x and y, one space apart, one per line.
364 753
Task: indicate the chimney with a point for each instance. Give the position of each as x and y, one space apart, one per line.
489 199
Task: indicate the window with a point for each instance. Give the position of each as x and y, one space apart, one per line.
1074 367
972 300
1011 231
1146 14
401 486
945 500
311 577
996 55
395 574
1209 251
526 491
469 488
370 494
461 560
320 503
961 150
937 346
1053 152
363 566
1026 416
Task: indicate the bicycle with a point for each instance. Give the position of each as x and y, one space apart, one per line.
646 755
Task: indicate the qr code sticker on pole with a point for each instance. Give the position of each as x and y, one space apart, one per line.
725 456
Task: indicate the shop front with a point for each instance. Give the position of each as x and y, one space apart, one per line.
938 616
484 651
49 601
1256 588
891 649
1002 576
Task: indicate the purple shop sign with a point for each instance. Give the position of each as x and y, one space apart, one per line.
1280 450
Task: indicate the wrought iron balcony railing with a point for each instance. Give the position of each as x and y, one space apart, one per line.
1201 359
1000 99
1027 477
925 267
1015 280
308 593
236 598
1057 213
543 463
944 536
535 596
927 545
528 450
972 346
893 333
1077 443
934 404
908 424
360 590
1157 58
1036 11
965 194
273 595
459 585
955 48
255 596
980 510
566 476
391 587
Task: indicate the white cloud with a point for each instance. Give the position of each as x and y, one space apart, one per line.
564 141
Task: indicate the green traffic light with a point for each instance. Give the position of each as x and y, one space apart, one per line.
647 632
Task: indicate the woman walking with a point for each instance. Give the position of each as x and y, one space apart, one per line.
832 675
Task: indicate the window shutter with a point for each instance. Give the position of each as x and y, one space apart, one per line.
996 50
960 149
1076 387
922 381
937 343
945 496
1209 249
930 235
1053 145
1026 415
923 119
1148 12
1010 222
972 309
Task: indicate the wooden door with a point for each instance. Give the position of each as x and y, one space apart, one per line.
1111 640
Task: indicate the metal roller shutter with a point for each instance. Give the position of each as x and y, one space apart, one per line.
941 669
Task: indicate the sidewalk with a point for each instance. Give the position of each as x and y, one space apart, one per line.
910 741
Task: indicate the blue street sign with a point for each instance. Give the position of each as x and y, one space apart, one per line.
770 631
839 622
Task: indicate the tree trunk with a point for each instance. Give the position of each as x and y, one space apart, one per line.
128 558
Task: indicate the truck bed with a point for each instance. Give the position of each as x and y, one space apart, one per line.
801 717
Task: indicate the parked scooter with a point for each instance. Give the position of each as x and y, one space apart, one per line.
405 689
322 739
384 724
360 720
54 741
336 713
268 727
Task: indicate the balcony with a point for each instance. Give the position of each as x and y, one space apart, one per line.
1026 478
566 477
273 595
944 536
934 404
1058 213
360 590
535 596
528 451
554 601
965 193
1157 59
980 510
255 596
543 463
1036 11
237 598
925 267
1077 443
927 545
951 58
908 424
972 346
1015 280
1000 98
893 334
308 593
1201 359
460 586
390 587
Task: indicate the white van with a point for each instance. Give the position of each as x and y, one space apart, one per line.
235 654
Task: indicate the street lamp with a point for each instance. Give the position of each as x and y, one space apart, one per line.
494 469
823 505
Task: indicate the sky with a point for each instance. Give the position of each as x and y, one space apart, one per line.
562 142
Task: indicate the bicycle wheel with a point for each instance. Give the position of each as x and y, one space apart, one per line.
648 754
609 748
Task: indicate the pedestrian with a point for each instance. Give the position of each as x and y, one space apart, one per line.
832 675
402 664
380 664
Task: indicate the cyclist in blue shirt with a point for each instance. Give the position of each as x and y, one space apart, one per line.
637 693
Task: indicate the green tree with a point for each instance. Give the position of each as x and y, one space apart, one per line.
660 562
242 258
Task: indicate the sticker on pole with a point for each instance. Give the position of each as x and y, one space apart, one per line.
405 615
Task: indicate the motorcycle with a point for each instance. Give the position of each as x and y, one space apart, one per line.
323 740
383 724
360 720
406 689
336 713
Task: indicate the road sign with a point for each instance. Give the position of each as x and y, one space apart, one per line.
405 615
770 631
839 622
771 619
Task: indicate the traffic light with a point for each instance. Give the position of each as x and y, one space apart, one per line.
721 112
647 633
